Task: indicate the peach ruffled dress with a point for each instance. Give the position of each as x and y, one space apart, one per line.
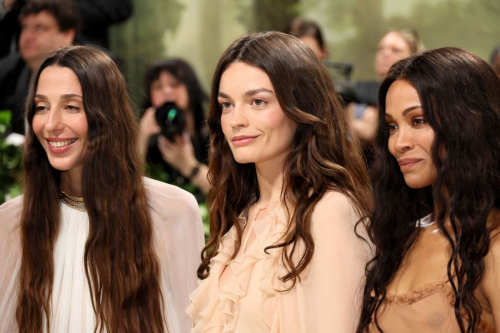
427 309
325 299
178 240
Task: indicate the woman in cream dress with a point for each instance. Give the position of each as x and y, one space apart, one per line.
288 186
92 244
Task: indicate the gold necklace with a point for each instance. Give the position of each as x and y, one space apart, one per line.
71 201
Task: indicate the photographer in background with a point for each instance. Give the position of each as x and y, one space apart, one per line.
183 157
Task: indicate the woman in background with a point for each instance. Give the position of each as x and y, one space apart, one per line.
185 158
436 218
92 245
288 186
310 33
395 45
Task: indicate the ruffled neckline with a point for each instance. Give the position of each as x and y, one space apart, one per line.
429 289
215 308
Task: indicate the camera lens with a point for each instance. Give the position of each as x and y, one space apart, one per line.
171 120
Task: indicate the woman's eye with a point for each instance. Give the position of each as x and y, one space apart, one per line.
156 87
392 128
41 108
258 102
225 105
419 121
73 108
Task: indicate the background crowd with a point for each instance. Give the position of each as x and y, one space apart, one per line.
168 50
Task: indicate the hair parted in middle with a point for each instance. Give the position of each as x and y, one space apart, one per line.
325 154
460 99
121 266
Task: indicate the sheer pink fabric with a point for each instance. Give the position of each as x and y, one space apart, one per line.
178 238
428 309
326 299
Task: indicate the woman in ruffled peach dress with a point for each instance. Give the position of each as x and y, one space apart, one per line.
436 219
288 188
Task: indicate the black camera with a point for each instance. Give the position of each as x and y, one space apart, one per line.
171 120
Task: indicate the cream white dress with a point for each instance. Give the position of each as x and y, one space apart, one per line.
326 299
178 240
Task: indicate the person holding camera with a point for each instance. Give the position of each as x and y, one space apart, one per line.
172 131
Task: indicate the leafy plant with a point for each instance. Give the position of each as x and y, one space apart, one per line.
10 162
156 171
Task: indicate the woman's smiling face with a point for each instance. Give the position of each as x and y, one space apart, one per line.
60 123
252 120
410 136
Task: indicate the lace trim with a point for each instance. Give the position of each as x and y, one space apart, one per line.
430 289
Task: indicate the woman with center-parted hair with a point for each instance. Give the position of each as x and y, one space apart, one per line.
436 182
288 185
92 245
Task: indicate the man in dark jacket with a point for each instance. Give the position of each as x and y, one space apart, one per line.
45 26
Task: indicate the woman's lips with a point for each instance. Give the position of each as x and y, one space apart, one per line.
408 163
243 140
59 146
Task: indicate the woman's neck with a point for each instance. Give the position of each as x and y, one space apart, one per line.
270 179
71 182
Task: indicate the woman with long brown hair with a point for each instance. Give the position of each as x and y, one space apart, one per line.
92 246
287 187
436 183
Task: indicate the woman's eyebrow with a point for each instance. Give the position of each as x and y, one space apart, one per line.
411 108
406 111
221 94
70 96
258 90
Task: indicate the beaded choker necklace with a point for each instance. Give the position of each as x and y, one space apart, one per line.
71 201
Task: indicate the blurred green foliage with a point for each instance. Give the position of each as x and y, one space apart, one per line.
10 162
156 171
353 28
200 30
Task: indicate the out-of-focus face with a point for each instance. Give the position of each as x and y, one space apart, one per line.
40 34
391 48
314 45
168 89
252 120
60 123
411 137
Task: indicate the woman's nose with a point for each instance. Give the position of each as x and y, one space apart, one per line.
54 121
239 118
404 140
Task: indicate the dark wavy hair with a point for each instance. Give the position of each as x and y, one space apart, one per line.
120 263
460 98
325 155
185 74
65 12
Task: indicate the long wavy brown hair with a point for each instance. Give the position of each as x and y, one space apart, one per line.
460 97
325 155
121 266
